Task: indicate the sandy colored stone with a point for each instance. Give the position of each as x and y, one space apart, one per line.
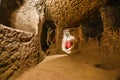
19 50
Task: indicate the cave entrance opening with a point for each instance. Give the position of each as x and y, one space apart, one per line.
47 35
67 41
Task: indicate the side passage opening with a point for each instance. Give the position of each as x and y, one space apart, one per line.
67 41
47 34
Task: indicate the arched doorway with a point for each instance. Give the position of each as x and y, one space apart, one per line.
47 34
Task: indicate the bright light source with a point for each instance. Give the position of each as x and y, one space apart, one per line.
67 43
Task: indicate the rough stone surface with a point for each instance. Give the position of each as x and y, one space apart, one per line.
18 47
70 12
27 16
18 51
7 7
110 16
107 54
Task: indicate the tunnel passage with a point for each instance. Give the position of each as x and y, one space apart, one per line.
92 27
47 34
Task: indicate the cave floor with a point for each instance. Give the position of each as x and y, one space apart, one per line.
68 67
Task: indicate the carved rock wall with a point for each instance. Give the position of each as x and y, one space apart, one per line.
26 17
107 54
18 51
70 12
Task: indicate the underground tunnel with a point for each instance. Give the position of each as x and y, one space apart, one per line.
95 28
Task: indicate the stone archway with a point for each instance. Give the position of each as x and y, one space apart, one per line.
47 34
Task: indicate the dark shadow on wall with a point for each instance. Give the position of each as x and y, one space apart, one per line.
92 27
47 34
7 7
111 14
111 2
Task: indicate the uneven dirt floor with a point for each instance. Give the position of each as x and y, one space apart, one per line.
68 67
